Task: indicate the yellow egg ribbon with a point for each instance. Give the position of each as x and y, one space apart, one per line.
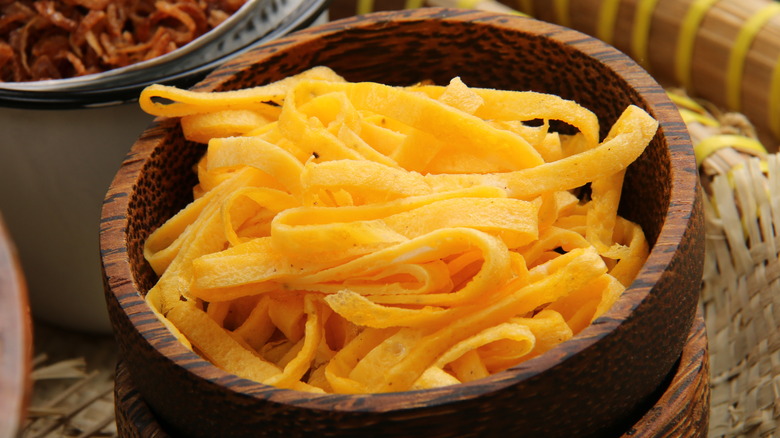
362 238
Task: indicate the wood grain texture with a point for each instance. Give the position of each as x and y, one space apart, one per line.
683 407
15 338
681 411
133 417
595 384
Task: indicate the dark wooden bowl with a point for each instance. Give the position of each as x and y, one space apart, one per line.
596 384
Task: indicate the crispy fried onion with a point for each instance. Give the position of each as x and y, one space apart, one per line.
56 39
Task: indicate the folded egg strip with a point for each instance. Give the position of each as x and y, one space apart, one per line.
362 238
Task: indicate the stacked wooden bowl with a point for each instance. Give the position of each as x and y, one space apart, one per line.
600 383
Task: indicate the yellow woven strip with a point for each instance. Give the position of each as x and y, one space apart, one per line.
687 39
774 101
689 117
364 6
740 167
413 4
640 34
739 52
562 12
607 17
684 101
710 145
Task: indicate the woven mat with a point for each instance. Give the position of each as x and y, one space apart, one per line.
73 381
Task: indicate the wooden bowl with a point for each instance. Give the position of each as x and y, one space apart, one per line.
593 385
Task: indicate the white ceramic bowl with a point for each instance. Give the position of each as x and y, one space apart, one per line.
54 172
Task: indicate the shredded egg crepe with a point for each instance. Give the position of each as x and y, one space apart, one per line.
364 238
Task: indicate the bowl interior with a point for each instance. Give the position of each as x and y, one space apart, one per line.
404 47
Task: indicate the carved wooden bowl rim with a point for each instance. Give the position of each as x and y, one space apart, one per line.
680 211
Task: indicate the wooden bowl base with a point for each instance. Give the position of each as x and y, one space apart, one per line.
681 410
